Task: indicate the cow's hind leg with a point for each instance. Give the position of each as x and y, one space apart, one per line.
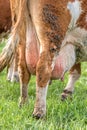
24 76
40 104
73 77
42 82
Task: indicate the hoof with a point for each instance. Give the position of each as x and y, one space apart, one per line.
66 94
38 114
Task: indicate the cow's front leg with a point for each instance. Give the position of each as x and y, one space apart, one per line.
73 77
24 76
43 77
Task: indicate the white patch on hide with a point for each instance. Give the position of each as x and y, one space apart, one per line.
75 11
78 38
41 93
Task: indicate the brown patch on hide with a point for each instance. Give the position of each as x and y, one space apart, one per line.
54 38
5 15
24 75
23 71
15 8
50 17
55 22
43 69
82 21
76 67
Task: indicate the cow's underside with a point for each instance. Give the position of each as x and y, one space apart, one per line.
39 29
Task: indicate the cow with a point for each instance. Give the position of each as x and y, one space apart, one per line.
40 35
5 16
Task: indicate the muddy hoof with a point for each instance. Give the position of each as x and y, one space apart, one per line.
39 113
38 116
66 94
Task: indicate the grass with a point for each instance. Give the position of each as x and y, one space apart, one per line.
68 115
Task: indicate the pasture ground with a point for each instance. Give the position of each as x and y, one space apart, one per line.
67 115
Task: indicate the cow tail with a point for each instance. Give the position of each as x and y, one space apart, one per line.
9 50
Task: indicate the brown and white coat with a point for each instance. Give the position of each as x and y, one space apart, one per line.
41 32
